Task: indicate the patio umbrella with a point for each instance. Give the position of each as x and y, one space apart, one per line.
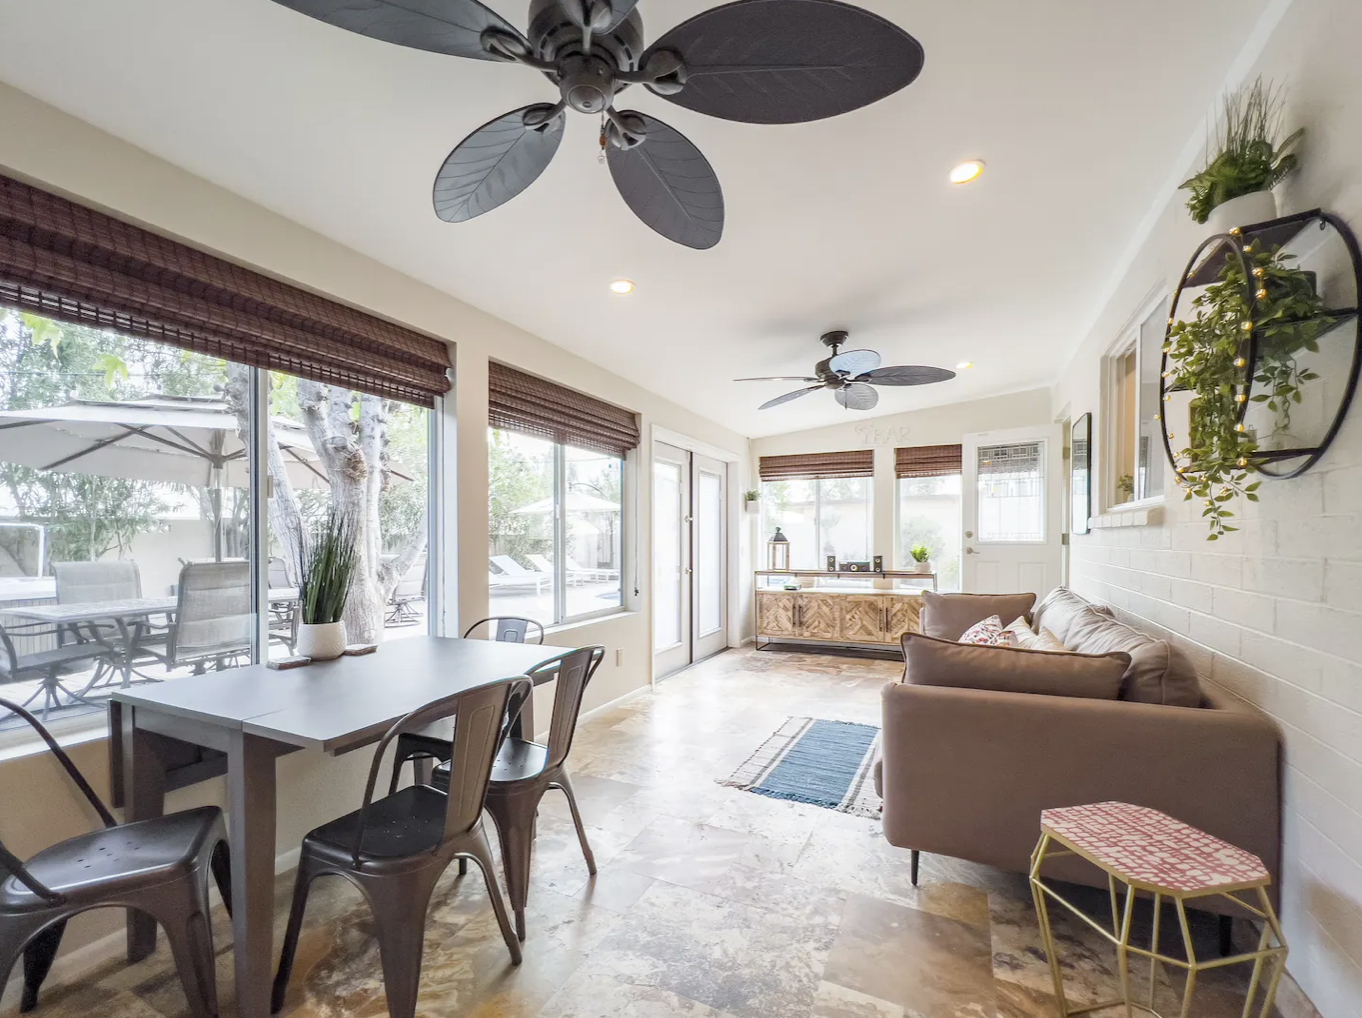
190 440
577 502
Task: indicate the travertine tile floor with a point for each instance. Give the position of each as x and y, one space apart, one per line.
709 902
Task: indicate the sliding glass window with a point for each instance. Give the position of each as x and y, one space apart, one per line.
131 513
555 529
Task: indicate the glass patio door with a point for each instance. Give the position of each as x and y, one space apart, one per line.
690 576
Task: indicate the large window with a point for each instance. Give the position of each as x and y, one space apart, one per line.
1011 493
127 540
821 518
1134 446
929 514
555 529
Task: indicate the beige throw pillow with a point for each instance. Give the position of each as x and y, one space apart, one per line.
932 662
1158 672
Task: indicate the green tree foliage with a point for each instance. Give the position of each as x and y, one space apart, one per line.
515 480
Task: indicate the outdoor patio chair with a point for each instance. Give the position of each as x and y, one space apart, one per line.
91 582
161 867
396 849
410 589
48 666
525 770
213 618
595 574
510 567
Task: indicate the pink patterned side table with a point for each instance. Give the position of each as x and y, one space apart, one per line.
1150 852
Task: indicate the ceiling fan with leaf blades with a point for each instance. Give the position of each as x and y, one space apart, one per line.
852 376
754 61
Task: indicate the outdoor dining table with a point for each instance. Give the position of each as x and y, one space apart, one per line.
247 718
128 615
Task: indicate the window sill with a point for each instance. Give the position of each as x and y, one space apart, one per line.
567 627
1143 514
22 742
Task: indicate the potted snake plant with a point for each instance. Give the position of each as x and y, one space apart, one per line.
329 557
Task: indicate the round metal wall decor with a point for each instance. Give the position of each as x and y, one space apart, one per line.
1326 249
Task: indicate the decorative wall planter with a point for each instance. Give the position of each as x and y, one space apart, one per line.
1246 210
1314 357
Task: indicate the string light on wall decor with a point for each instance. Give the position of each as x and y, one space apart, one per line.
1265 366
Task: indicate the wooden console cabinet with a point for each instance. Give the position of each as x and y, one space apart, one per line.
858 616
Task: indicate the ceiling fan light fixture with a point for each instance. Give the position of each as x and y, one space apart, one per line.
969 170
621 286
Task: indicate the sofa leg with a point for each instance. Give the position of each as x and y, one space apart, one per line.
1226 936
913 866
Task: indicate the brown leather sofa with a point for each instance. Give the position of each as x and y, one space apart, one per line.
965 772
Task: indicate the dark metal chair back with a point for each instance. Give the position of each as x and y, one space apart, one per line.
10 661
509 629
574 670
8 861
476 736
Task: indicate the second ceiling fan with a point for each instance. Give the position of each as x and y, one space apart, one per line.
754 61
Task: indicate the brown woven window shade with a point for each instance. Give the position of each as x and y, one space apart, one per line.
928 461
71 263
818 466
534 406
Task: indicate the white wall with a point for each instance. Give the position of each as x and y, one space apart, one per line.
46 147
1273 611
942 425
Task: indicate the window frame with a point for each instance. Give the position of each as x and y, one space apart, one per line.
902 559
1127 340
820 563
560 616
73 730
1043 460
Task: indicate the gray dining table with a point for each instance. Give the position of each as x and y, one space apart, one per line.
246 718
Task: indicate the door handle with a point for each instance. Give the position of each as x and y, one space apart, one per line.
970 551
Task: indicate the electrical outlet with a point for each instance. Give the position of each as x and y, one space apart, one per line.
619 657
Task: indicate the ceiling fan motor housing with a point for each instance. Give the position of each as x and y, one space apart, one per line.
554 37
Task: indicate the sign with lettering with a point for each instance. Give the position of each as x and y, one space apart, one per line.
872 434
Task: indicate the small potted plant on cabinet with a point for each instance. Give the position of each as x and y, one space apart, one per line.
329 558
921 561
1246 159
752 499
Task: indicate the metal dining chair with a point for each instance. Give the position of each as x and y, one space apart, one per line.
525 770
396 848
161 867
432 745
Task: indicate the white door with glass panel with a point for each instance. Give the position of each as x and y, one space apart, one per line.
1012 506
689 558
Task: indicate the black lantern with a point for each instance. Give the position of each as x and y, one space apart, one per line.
778 552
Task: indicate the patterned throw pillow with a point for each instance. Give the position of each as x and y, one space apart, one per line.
988 632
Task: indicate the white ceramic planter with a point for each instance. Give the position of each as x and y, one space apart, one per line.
1247 209
922 567
324 641
753 505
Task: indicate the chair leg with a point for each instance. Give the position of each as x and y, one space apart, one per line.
39 954
481 853
565 784
221 864
191 943
302 884
912 866
514 817
399 907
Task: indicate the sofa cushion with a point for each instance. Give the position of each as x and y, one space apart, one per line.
1158 672
1058 610
1044 640
932 662
947 616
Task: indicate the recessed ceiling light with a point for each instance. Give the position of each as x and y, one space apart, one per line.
967 171
963 365
622 286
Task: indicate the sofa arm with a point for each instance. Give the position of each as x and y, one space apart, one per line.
966 772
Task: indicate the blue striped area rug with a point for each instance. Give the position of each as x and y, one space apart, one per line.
825 763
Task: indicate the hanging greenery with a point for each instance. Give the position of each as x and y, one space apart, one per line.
1207 356
1247 154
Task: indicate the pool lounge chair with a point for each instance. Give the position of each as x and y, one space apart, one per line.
513 570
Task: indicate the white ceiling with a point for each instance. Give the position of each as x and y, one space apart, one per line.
1079 108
